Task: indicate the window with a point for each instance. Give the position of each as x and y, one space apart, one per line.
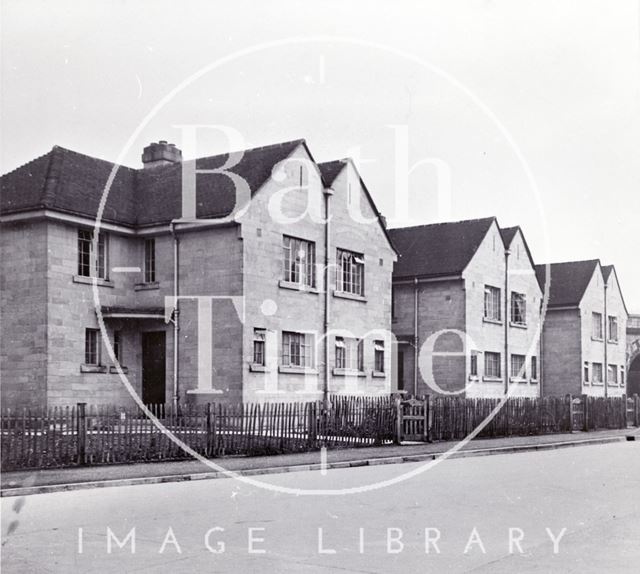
259 337
299 261
622 376
492 303
534 368
596 327
518 308
87 267
492 365
378 358
473 366
613 329
612 374
297 349
150 261
92 347
586 372
518 370
350 277
117 345
349 354
596 372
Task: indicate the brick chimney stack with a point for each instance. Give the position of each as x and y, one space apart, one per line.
161 153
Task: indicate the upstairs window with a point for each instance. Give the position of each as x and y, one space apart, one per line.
259 338
297 349
349 354
92 347
518 308
150 260
596 325
492 365
88 265
350 277
518 370
492 304
299 261
613 329
378 358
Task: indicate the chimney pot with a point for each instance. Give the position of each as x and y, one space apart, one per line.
161 153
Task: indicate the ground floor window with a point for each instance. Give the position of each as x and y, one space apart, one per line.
297 349
596 372
518 369
117 345
622 376
473 365
534 368
586 372
259 338
378 347
612 374
349 354
492 364
92 347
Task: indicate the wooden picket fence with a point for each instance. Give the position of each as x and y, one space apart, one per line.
89 435
69 436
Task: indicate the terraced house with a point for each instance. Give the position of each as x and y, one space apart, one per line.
240 289
585 330
466 310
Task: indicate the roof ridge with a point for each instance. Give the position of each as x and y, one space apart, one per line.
492 218
28 162
52 178
568 262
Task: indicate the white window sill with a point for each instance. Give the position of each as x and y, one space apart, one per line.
518 325
598 383
297 370
352 296
90 280
378 374
114 369
297 287
204 392
613 341
474 378
517 380
599 339
93 368
492 321
348 373
534 381
147 286
492 379
255 368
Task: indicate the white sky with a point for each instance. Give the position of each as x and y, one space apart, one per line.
562 77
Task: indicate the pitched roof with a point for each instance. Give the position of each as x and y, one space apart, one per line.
568 281
606 271
330 170
437 249
508 233
67 181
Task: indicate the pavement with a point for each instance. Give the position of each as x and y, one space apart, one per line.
22 483
493 514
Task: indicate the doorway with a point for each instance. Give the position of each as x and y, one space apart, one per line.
153 367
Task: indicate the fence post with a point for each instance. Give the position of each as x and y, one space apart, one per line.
81 423
208 427
636 410
311 424
398 438
585 413
427 430
570 403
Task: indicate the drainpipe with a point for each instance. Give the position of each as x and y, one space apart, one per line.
327 246
176 314
506 321
415 337
606 334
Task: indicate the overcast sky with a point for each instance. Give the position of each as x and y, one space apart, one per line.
461 78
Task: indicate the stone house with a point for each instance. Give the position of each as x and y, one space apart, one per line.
584 333
215 279
466 310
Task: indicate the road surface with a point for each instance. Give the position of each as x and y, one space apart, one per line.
488 514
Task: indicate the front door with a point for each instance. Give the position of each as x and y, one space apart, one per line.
153 367
401 370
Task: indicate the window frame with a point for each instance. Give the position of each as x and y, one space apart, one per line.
596 334
352 280
378 355
473 364
516 310
489 357
534 368
295 271
88 265
612 368
259 347
522 360
305 350
612 319
492 302
149 260
349 354
597 380
92 338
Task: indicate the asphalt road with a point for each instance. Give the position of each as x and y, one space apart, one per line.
587 498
